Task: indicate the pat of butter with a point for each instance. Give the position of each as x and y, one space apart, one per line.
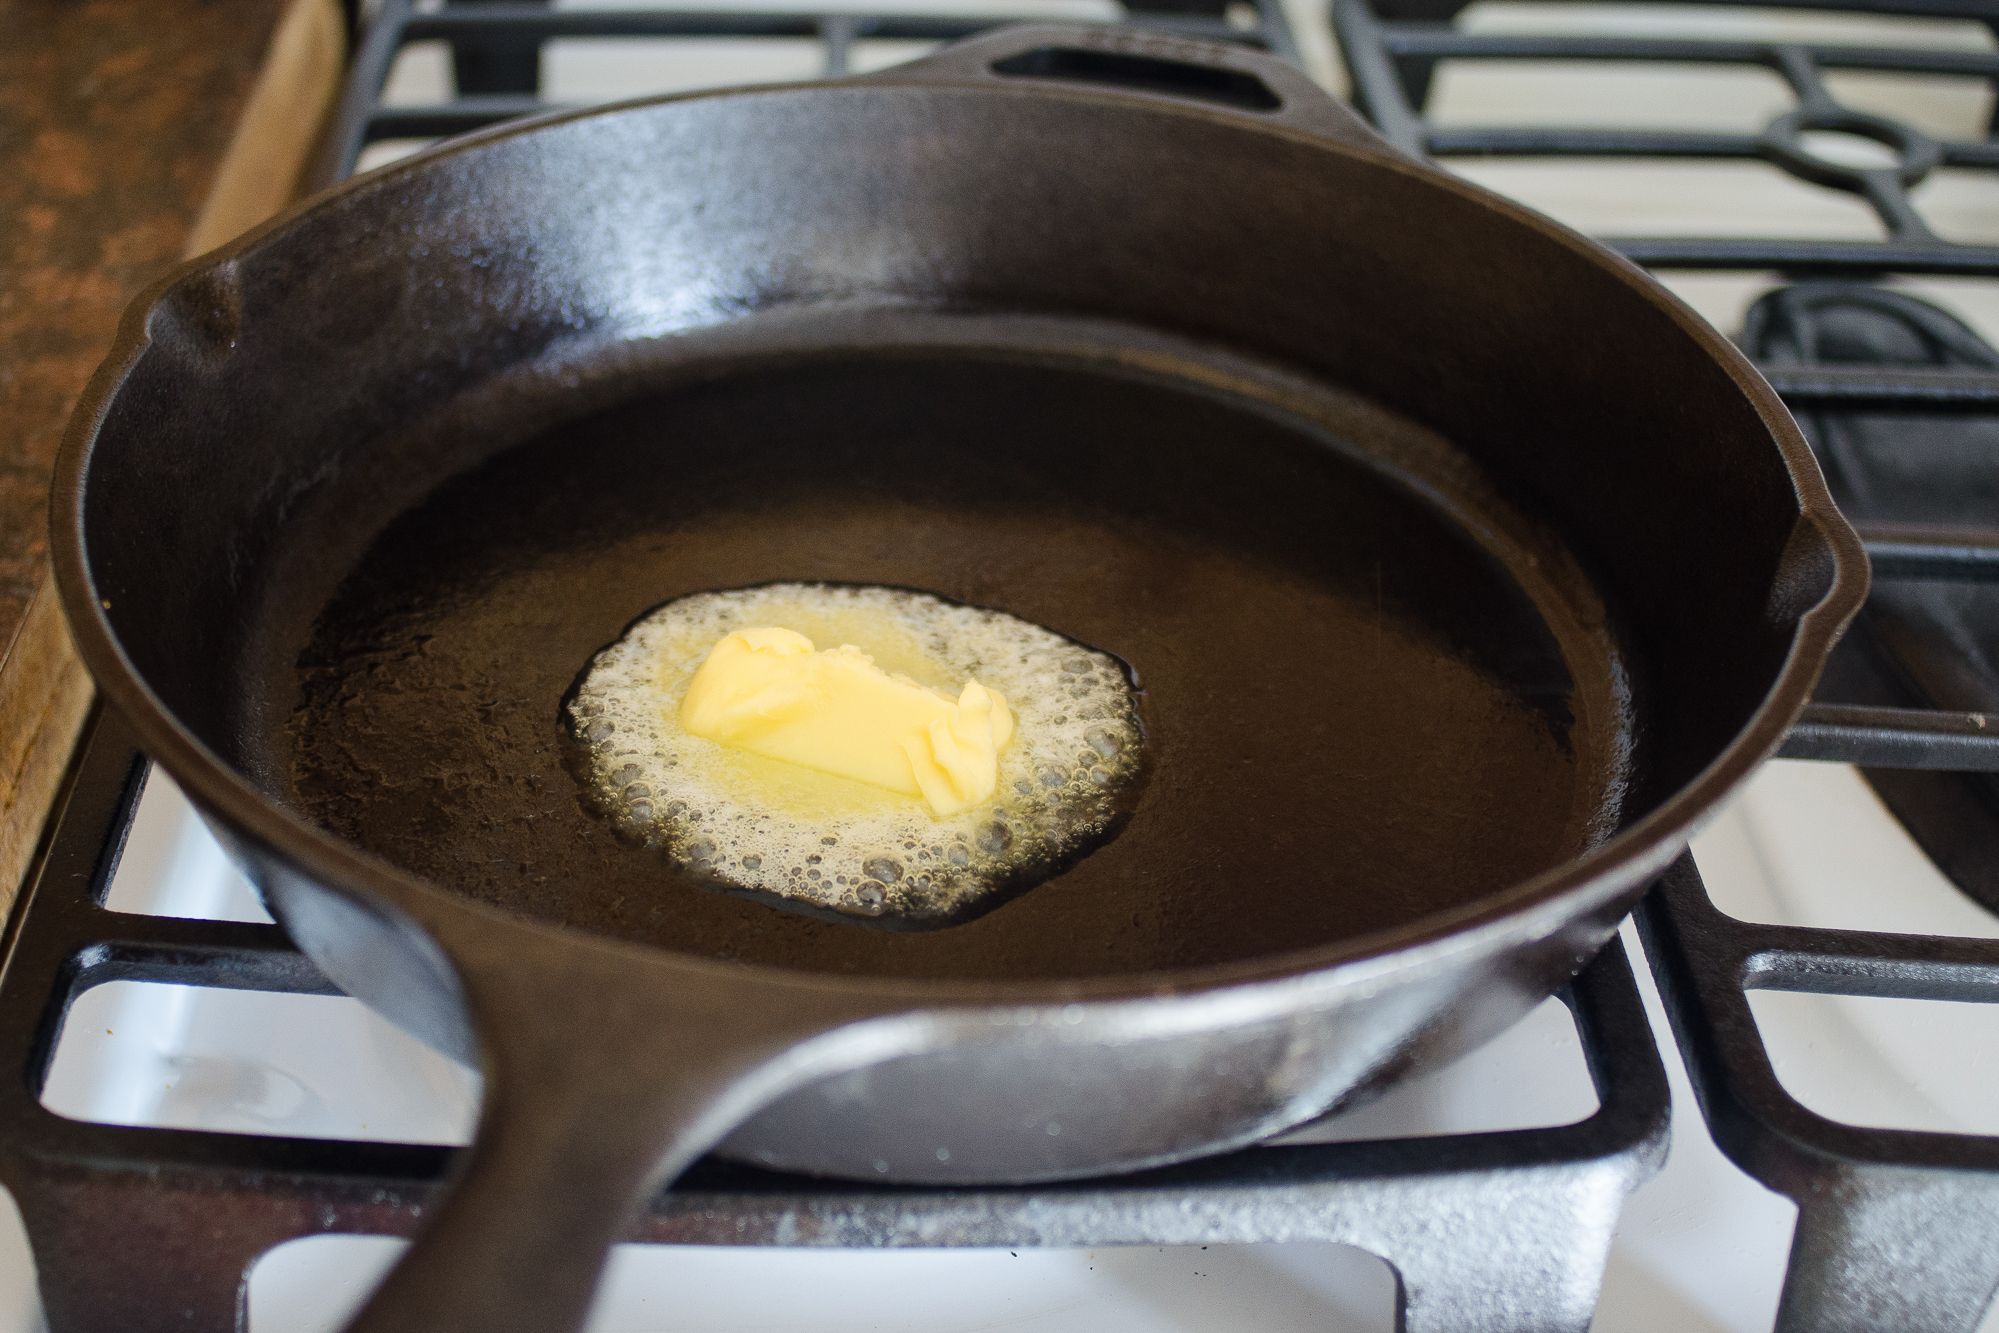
770 692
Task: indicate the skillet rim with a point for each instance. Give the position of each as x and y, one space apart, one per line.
1535 907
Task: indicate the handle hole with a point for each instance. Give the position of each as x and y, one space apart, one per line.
1205 83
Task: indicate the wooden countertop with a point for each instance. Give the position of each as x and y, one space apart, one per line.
131 133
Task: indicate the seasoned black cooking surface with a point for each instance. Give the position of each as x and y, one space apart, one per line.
1357 715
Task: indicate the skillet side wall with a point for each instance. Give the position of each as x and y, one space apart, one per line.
1031 1093
1122 1103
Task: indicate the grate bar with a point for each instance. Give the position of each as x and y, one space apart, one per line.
540 23
1971 154
317 1166
1441 42
346 130
1799 70
1925 9
1910 551
1883 189
1706 963
1576 141
838 35
1920 738
219 955
1855 258
1886 386
1589 142
1378 90
545 24
1820 961
461 115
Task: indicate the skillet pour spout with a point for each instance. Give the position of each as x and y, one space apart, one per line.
1145 340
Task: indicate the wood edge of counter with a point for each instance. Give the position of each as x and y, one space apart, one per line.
45 693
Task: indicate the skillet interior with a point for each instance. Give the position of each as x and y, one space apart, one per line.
263 429
1373 689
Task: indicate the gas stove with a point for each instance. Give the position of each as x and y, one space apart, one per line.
208 1129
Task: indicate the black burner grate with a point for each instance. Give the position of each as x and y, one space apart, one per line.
140 1229
1896 1229
497 46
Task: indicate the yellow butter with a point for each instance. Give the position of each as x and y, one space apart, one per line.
769 691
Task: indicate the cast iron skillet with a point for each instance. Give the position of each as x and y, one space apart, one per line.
1464 568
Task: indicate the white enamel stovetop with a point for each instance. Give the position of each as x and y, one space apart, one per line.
1701 1247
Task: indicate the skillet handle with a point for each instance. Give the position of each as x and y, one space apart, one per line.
606 1075
1219 75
